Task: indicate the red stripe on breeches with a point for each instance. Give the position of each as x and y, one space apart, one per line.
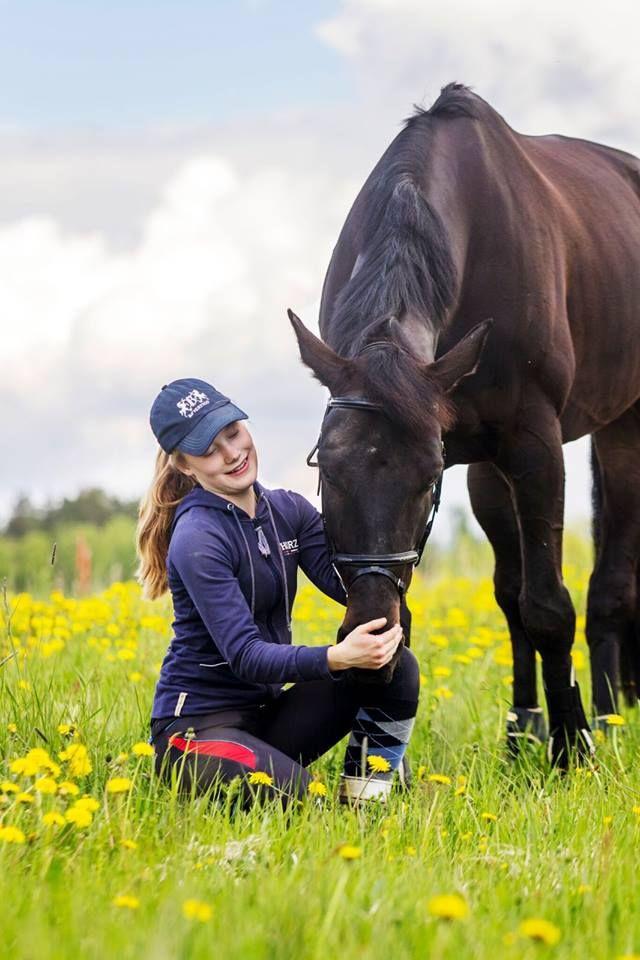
224 749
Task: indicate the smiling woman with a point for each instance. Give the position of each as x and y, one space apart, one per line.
229 550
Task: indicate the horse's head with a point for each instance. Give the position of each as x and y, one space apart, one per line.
379 464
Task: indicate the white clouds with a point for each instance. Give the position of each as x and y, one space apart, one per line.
568 67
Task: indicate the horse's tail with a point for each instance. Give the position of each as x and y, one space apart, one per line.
406 263
629 641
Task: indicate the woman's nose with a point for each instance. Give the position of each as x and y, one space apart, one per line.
229 453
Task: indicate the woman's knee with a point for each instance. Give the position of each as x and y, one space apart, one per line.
406 676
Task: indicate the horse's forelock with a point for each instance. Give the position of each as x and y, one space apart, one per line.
394 378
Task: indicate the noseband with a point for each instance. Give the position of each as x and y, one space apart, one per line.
374 563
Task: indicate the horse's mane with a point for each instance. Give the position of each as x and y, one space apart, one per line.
405 263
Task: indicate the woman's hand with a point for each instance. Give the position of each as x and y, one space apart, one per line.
361 648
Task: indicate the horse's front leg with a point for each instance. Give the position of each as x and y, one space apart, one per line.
531 459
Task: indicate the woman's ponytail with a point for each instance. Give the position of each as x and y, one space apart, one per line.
168 487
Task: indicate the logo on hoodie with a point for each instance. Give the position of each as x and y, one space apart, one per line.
193 402
289 547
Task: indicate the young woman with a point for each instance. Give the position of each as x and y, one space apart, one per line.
229 551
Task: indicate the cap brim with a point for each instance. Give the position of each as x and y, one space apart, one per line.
198 441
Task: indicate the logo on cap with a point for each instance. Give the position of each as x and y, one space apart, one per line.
193 402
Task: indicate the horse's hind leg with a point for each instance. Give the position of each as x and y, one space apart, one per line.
492 505
613 588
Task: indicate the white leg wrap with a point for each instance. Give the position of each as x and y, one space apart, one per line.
364 788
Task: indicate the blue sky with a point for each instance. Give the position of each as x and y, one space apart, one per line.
113 64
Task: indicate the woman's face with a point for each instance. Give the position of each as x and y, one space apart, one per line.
230 465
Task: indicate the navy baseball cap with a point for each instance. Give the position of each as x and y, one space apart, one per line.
187 414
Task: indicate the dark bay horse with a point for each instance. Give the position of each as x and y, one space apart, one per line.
485 291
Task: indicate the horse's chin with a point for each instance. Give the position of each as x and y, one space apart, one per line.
372 597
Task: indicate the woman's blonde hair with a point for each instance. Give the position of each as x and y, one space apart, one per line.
168 487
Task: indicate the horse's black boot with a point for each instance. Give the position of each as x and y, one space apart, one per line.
569 731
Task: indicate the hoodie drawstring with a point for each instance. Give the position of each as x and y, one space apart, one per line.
246 545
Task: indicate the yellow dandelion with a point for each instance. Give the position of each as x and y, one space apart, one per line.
126 901
542 930
66 729
423 679
317 788
8 787
11 834
128 844
53 819
443 693
79 817
45 785
439 778
410 851
489 817
261 779
142 749
135 676
12 728
24 798
77 758
68 788
421 772
348 852
608 820
584 888
87 803
119 785
448 906
197 910
442 671
615 720
378 764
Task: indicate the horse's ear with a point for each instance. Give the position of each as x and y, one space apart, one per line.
462 360
326 365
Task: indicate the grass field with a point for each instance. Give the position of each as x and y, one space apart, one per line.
98 860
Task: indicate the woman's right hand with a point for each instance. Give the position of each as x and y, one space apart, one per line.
361 648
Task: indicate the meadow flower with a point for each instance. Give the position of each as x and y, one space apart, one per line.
317 788
542 930
11 834
68 788
45 785
143 749
489 817
36 760
261 779
66 729
584 888
79 816
615 720
442 671
448 906
135 676
53 819
442 693
77 759
119 785
87 803
439 778
378 764
12 728
8 787
128 844
126 901
348 852
24 798
196 910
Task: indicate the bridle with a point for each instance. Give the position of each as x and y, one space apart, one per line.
374 563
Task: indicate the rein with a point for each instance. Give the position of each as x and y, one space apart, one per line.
374 563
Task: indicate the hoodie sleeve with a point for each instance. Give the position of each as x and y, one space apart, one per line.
314 552
207 574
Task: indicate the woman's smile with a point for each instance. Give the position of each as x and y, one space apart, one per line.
240 469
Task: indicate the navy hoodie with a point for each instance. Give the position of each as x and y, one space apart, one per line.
233 582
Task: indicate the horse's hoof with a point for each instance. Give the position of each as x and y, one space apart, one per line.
525 724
